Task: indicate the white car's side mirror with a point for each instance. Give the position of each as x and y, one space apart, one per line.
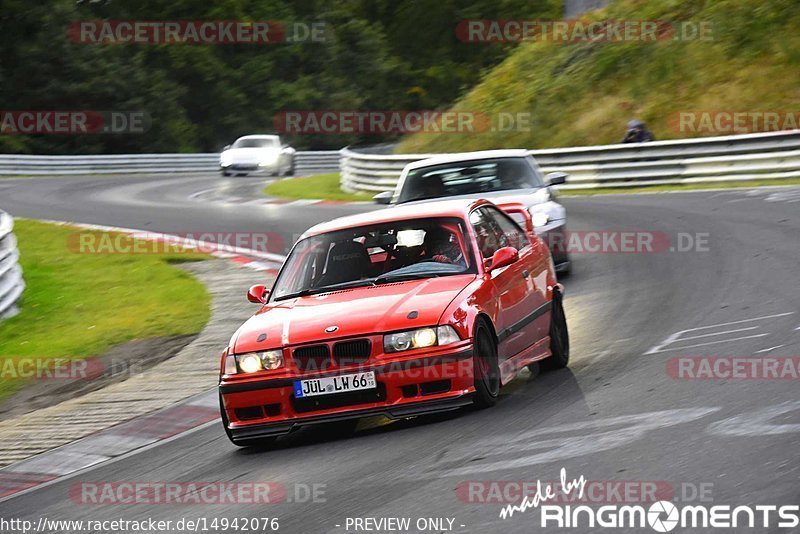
384 197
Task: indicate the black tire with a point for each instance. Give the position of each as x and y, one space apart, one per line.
225 173
486 367
290 171
559 336
262 442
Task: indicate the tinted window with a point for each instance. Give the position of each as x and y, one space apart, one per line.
471 177
265 142
485 232
494 230
511 235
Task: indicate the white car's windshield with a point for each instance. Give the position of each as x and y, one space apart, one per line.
256 142
375 254
470 177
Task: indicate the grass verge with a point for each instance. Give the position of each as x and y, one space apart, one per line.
318 186
584 92
79 305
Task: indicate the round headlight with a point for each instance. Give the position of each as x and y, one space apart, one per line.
425 337
272 359
250 363
540 219
401 341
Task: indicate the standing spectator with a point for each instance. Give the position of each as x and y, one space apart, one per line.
637 133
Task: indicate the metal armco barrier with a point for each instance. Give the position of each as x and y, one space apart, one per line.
11 282
703 160
306 162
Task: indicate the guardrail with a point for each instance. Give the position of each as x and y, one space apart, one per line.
11 283
306 162
773 155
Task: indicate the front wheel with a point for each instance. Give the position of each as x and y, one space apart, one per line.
485 367
559 336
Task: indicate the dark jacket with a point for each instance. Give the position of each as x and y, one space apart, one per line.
638 135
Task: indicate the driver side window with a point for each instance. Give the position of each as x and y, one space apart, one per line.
509 230
494 230
485 232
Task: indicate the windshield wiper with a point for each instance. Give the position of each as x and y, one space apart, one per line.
325 289
389 277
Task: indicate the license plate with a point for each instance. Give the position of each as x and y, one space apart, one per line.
334 384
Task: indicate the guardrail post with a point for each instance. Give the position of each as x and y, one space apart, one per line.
11 283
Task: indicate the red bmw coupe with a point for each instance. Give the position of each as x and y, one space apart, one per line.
401 312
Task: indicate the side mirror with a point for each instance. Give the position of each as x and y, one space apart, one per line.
258 294
226 147
384 197
557 178
502 257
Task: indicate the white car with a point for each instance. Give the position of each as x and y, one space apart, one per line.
509 178
257 153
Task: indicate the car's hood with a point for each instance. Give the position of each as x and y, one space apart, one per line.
248 155
357 311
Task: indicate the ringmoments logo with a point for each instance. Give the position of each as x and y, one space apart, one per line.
660 516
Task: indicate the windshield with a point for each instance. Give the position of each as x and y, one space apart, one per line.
470 177
376 254
256 142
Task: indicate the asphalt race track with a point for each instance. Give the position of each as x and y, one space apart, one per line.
617 413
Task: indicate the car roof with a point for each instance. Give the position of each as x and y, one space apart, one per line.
259 136
447 208
468 156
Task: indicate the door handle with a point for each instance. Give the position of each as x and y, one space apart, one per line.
526 273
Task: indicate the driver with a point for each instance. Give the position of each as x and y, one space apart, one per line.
441 246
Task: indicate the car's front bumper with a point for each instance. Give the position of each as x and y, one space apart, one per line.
406 387
555 235
250 167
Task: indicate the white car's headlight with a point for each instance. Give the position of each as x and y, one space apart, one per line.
539 219
253 362
269 158
420 338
